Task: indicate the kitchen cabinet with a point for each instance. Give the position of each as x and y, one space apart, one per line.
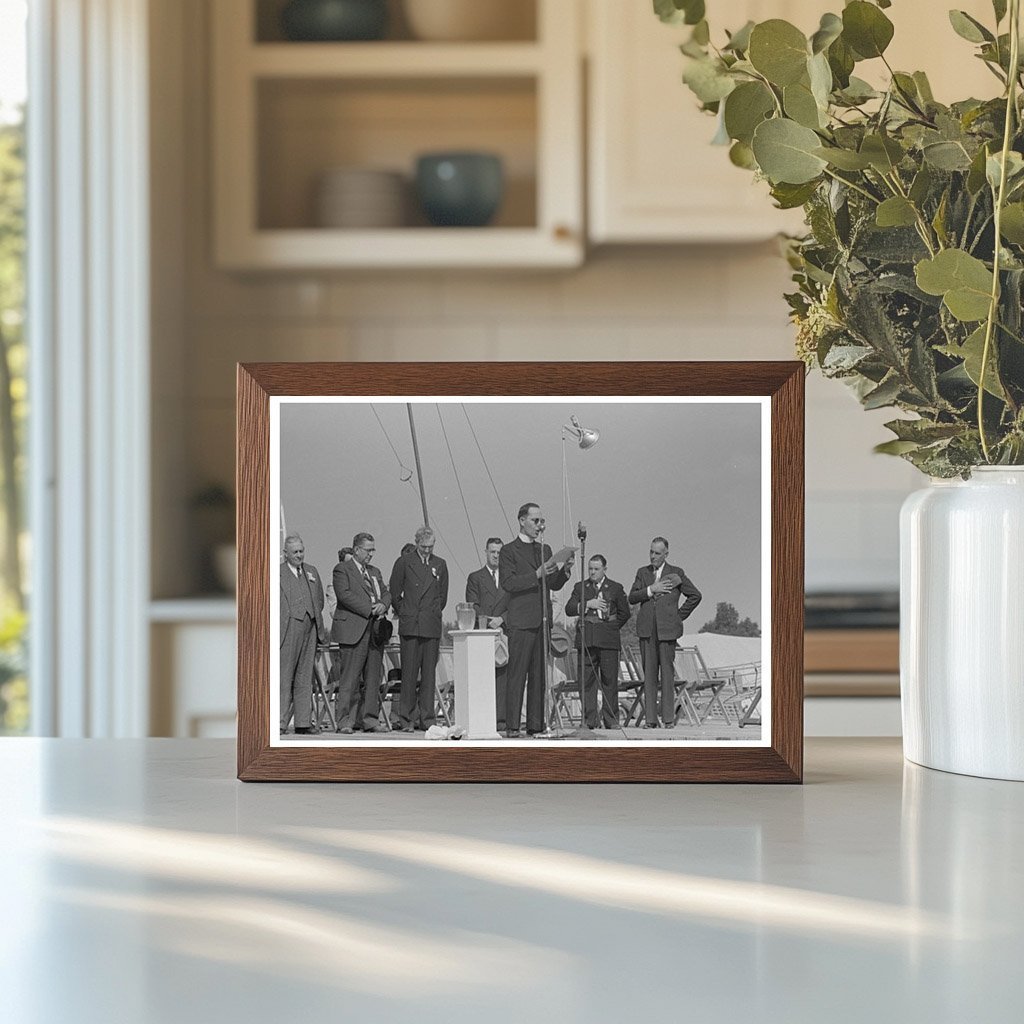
286 113
653 175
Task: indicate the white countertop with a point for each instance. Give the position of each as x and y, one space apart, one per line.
143 884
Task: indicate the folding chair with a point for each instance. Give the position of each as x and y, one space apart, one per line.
391 684
631 680
746 696
322 689
697 681
567 692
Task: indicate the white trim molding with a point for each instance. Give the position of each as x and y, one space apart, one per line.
89 324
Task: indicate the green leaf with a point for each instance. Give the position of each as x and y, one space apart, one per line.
866 29
800 105
741 155
923 431
778 50
883 153
921 186
885 394
745 108
971 352
896 212
708 81
924 88
789 197
679 12
968 28
858 91
1011 226
1014 169
830 28
976 175
841 60
963 281
895 447
785 152
820 76
946 156
844 159
739 41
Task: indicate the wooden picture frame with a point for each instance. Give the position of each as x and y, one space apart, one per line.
780 759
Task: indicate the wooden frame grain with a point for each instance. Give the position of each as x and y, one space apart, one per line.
782 761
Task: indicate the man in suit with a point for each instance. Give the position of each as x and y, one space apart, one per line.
483 589
523 563
419 592
344 554
363 601
605 612
302 600
658 588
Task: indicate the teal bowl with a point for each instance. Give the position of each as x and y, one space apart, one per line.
460 190
334 21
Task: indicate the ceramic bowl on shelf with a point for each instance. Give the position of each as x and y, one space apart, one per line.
334 20
460 189
361 198
471 20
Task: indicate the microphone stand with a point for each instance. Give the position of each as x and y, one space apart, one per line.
581 534
545 631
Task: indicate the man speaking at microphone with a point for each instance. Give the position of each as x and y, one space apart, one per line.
522 565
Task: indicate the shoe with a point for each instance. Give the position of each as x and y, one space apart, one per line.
346 730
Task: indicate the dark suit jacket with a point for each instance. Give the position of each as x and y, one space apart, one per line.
517 570
316 592
352 614
600 632
419 593
481 591
666 607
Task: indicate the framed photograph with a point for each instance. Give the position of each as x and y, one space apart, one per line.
514 572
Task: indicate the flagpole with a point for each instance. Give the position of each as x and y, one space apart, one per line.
419 468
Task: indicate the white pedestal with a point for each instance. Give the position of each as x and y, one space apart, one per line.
474 682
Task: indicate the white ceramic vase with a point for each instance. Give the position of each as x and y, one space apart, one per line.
962 624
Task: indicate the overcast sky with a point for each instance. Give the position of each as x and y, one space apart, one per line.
690 472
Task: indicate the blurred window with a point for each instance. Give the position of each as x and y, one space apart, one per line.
14 538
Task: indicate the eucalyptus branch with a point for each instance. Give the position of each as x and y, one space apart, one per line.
1000 198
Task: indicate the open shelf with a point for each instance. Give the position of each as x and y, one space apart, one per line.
393 60
520 17
307 127
287 113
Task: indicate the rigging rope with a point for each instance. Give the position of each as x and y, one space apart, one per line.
469 518
406 471
483 459
407 478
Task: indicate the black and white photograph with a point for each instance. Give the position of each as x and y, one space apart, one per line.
477 571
